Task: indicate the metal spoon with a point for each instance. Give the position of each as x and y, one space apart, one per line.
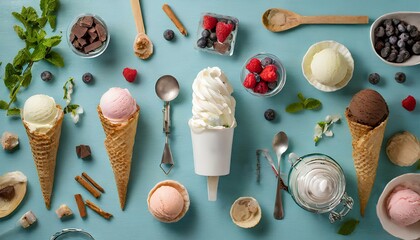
167 89
280 145
142 46
277 19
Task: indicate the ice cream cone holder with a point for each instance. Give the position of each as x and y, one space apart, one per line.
317 184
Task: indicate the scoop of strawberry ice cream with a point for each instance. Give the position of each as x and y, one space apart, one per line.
404 206
118 105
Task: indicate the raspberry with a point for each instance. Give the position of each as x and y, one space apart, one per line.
250 81
261 88
223 30
409 103
209 22
129 74
254 66
269 73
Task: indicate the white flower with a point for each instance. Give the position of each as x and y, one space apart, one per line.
322 128
75 114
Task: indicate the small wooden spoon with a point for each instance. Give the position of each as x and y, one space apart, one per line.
142 46
278 20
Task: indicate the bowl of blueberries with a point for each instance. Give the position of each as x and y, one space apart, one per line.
395 38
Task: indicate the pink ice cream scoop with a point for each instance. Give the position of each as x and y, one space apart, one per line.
404 206
166 203
118 105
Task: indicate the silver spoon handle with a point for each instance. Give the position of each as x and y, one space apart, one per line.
278 204
166 118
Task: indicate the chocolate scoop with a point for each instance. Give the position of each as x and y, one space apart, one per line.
7 193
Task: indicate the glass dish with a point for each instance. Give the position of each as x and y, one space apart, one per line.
281 71
72 233
97 51
231 40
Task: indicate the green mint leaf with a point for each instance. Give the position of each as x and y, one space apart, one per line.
312 103
27 77
30 14
301 97
42 21
11 81
4 105
39 53
21 58
52 41
70 108
31 35
13 112
15 88
20 32
55 59
53 5
52 19
41 35
294 107
20 18
43 5
348 227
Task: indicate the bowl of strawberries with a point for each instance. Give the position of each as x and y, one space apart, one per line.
263 75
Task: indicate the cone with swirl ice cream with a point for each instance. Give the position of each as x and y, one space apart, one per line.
119 114
212 126
42 119
367 116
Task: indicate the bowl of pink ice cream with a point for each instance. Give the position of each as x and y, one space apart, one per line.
398 207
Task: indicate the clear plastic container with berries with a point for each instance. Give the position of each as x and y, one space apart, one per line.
263 75
217 34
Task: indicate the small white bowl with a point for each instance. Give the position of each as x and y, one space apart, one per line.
317 47
411 180
412 18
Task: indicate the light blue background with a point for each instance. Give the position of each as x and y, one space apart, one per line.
205 220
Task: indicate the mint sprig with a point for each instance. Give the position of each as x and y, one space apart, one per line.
304 103
38 47
348 227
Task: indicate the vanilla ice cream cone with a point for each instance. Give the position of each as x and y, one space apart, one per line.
119 142
44 147
212 150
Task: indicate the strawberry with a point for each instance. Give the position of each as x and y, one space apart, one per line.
209 22
223 30
250 81
261 88
269 73
409 103
254 65
129 74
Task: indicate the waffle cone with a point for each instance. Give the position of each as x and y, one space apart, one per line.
366 143
119 142
44 147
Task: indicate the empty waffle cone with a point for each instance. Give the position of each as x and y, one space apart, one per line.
44 147
366 142
119 142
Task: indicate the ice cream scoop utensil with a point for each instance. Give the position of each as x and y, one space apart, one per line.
280 145
278 20
145 49
167 89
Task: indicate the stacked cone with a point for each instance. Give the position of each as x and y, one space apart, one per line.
119 142
44 147
366 143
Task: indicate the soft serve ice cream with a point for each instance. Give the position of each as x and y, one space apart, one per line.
213 105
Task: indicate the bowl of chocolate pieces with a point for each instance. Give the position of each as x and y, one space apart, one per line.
88 36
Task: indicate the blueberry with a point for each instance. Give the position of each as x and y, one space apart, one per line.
379 31
389 30
46 76
387 43
87 78
404 37
401 43
392 57
393 40
411 27
385 52
379 45
272 85
414 33
169 34
257 77
396 21
205 33
400 77
209 43
374 78
266 61
213 37
269 114
416 48
410 42
202 42
387 22
401 27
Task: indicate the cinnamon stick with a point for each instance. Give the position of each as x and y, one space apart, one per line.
174 19
91 181
98 210
87 186
80 205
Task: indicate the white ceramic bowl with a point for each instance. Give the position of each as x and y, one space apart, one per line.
412 18
411 180
317 47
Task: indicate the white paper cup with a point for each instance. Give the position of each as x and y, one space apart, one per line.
212 150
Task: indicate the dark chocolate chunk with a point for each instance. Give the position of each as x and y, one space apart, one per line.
72 37
100 29
83 151
92 46
92 35
7 193
76 44
82 42
79 31
86 21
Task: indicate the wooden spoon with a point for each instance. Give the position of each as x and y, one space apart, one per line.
277 19
142 46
